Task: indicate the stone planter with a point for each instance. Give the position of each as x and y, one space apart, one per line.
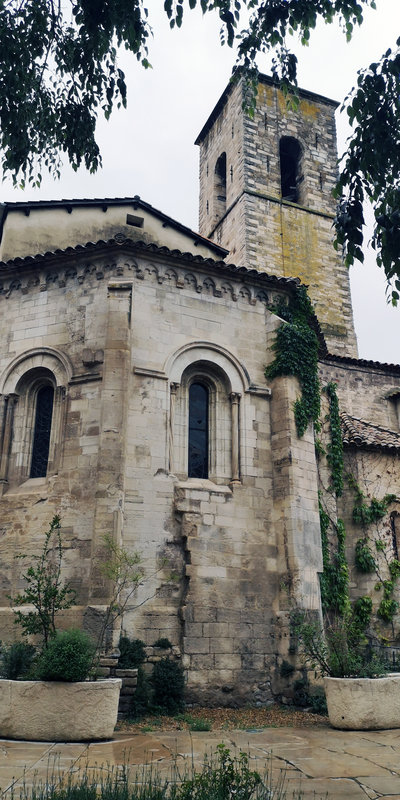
58 712
364 703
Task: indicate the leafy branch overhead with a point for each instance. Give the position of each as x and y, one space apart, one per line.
59 71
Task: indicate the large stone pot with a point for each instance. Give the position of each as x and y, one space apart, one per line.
364 703
52 711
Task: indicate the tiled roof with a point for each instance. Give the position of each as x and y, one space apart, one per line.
132 244
357 433
360 362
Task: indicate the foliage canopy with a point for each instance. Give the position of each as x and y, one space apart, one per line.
59 71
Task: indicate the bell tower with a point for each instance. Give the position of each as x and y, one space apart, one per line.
266 195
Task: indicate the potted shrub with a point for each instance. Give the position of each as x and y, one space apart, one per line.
360 693
46 695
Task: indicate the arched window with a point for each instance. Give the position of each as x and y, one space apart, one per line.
220 187
290 156
42 431
32 416
204 416
198 431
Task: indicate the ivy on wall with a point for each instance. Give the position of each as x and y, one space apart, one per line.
296 353
335 445
334 580
365 513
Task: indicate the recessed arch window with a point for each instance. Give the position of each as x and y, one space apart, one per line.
42 431
32 416
290 162
198 431
202 425
220 187
206 384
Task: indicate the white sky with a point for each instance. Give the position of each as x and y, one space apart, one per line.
148 149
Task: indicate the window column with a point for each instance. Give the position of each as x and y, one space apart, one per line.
235 400
172 399
7 406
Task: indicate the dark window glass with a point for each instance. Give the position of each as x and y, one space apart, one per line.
220 178
220 187
290 152
198 431
394 517
41 434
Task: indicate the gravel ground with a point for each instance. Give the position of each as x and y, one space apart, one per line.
227 719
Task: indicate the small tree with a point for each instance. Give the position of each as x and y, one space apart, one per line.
124 573
48 594
44 589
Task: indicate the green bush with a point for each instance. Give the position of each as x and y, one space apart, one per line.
132 652
163 642
227 778
17 660
168 686
141 700
318 702
286 669
68 657
200 725
339 649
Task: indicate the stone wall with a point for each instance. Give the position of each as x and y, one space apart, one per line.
367 392
216 553
261 230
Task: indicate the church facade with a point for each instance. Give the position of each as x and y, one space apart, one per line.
134 402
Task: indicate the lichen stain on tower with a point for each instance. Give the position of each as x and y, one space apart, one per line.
282 168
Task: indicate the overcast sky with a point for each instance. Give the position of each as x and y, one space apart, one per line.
148 149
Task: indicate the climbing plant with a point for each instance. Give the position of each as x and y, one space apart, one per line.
296 353
335 445
364 559
365 513
334 579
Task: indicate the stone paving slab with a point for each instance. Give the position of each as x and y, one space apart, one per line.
323 763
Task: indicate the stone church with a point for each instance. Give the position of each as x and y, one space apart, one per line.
134 402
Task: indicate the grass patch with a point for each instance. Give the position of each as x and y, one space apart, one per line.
200 725
222 776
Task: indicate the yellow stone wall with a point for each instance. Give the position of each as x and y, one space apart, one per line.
261 230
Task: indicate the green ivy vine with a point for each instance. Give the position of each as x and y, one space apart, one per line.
362 612
364 514
334 580
296 353
363 558
335 446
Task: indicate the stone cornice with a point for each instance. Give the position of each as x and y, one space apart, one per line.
128 259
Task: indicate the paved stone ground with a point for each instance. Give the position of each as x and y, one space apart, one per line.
321 762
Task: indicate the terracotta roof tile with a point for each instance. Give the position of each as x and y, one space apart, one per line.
151 247
360 362
357 433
